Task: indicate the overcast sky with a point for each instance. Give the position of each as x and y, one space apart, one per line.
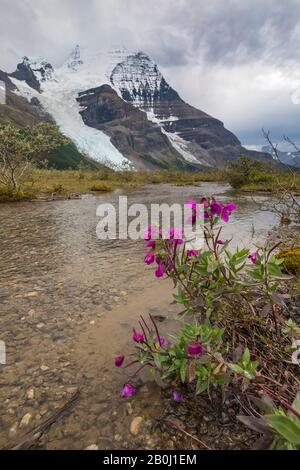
238 60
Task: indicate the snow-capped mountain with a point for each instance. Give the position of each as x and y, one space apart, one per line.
118 109
291 157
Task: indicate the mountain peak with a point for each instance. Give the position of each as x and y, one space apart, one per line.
74 60
33 71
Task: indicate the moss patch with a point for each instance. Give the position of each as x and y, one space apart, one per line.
291 262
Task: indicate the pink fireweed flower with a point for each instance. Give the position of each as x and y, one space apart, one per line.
148 233
177 396
163 341
151 244
128 390
191 203
205 202
138 337
149 258
220 242
191 253
226 211
215 208
175 233
230 207
195 349
253 257
160 270
119 361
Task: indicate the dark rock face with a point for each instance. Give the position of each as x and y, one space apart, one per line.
140 83
17 110
25 73
33 72
5 78
131 132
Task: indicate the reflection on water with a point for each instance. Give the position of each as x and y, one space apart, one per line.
60 237
57 279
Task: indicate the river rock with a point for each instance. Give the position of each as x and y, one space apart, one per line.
129 409
30 394
25 420
31 294
92 447
136 425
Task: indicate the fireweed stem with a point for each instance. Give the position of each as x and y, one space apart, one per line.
156 329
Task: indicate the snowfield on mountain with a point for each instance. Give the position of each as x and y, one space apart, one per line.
118 109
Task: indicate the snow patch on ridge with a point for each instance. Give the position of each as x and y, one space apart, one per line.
180 145
137 79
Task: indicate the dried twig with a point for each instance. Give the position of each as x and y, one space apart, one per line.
29 439
179 426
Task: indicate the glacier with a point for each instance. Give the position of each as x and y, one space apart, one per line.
133 75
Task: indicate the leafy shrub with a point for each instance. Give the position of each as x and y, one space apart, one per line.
247 170
12 195
218 289
101 186
280 427
58 188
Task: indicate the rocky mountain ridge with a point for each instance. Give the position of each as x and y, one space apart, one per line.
118 109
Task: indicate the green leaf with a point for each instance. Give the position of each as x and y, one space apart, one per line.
246 357
201 386
296 403
236 368
183 371
285 427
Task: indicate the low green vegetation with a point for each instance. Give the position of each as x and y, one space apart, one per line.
38 162
41 182
291 264
253 175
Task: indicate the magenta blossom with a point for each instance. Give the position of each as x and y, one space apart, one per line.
138 337
191 203
176 234
205 202
119 361
253 257
163 341
195 349
215 208
226 211
220 242
177 396
149 258
149 233
160 270
128 390
151 244
191 253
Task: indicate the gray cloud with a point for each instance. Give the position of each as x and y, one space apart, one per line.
237 60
